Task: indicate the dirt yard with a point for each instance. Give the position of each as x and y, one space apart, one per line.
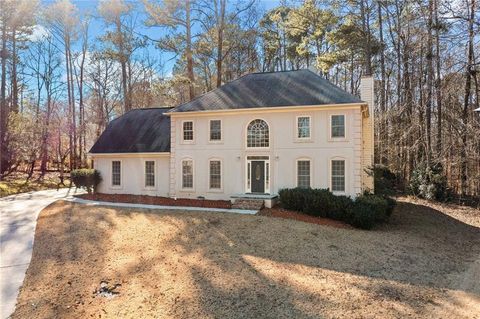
169 264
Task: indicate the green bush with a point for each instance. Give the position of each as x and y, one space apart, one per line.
429 182
391 203
294 198
385 181
375 204
86 178
363 212
319 202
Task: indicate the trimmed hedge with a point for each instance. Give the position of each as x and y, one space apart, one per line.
86 178
363 212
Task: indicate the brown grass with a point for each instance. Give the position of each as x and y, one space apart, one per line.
173 264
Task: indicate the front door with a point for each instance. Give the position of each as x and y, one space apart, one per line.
258 176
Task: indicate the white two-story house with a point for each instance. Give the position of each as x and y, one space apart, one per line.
248 138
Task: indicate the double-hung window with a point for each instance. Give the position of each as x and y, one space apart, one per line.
303 173
215 174
188 131
187 174
116 173
215 130
149 173
338 126
338 175
303 127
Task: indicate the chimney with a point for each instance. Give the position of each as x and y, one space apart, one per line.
366 92
367 95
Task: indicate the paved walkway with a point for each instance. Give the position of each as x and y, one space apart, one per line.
18 217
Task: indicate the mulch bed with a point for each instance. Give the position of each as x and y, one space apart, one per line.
290 214
157 200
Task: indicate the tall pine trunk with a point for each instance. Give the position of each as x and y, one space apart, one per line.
189 54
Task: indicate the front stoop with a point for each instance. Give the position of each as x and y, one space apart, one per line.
248 203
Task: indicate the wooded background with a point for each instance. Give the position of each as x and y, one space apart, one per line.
62 81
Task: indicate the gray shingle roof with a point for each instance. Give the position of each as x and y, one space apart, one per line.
288 88
137 131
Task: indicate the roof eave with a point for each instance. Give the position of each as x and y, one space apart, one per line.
272 108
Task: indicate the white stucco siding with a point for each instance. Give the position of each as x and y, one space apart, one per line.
133 174
284 150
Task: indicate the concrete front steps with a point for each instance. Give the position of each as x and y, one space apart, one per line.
246 203
253 201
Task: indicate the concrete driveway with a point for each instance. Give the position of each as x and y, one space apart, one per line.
18 217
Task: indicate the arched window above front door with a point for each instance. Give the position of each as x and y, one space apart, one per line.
258 134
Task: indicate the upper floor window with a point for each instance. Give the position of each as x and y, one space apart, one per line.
149 173
338 126
215 130
338 175
116 171
258 134
188 131
303 127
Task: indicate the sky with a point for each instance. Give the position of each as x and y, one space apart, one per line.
97 27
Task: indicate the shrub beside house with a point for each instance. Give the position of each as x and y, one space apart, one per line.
86 178
364 212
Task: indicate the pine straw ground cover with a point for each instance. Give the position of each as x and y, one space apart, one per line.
157 200
172 264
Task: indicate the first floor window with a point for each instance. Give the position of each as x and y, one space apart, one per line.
338 175
150 173
303 127
187 174
215 174
303 173
116 171
338 126
188 131
215 130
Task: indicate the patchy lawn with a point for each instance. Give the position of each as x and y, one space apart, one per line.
16 183
290 214
173 264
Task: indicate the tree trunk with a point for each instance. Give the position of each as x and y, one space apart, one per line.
368 45
3 104
383 134
14 106
189 55
438 82
220 29
466 100
429 58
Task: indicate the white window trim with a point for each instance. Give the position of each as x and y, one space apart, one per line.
182 133
215 190
154 174
337 139
111 174
248 188
311 170
189 189
337 158
270 135
303 139
220 141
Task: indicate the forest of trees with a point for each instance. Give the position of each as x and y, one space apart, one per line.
66 71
